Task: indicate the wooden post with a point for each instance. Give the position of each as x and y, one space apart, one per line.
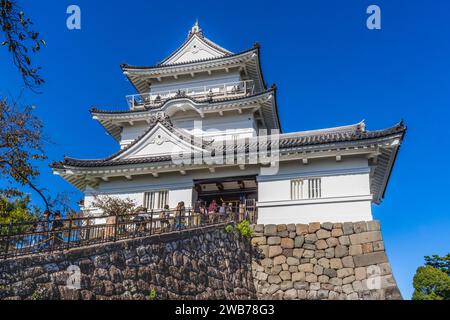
69 234
151 222
116 227
8 238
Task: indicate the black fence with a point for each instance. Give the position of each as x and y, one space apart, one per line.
56 235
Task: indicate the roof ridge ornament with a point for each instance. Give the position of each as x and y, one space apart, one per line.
196 29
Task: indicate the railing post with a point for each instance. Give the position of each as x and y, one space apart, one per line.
69 234
151 222
116 222
8 238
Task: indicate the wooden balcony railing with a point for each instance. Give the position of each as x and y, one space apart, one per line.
29 238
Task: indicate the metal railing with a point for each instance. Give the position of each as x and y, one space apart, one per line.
231 89
48 236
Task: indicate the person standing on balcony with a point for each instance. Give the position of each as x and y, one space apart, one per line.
180 212
222 211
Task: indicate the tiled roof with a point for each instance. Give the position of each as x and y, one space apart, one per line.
159 106
287 141
160 66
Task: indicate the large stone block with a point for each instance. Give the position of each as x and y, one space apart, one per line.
298 276
256 241
327 226
324 262
348 228
273 240
340 251
275 251
360 273
355 250
373 225
270 230
345 272
329 253
360 226
336 233
298 253
311 277
287 243
323 234
301 229
321 244
335 263
279 260
307 267
344 240
274 279
332 242
285 275
293 261
311 238
347 262
290 294
298 242
313 227
365 237
369 259
308 253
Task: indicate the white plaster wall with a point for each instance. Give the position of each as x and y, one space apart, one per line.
131 133
218 128
211 127
345 189
347 211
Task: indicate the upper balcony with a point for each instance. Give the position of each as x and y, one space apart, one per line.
210 92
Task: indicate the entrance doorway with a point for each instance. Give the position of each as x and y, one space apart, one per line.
238 193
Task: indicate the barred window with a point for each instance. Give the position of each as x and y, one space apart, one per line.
306 189
156 199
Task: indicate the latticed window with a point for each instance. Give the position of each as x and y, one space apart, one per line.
156 199
306 189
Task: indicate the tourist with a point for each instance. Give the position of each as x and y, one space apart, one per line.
197 216
180 212
241 211
222 211
230 212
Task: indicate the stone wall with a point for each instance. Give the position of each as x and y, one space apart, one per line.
322 261
205 263
315 261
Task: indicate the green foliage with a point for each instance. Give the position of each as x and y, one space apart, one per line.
39 294
431 284
229 228
152 294
441 263
16 210
244 229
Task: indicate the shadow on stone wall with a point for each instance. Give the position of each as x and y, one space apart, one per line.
205 263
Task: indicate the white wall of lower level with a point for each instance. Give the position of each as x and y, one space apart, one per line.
345 190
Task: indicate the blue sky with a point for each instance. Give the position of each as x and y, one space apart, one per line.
329 68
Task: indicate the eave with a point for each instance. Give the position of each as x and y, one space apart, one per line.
379 147
113 121
249 60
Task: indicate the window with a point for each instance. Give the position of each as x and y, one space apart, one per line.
156 199
306 189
